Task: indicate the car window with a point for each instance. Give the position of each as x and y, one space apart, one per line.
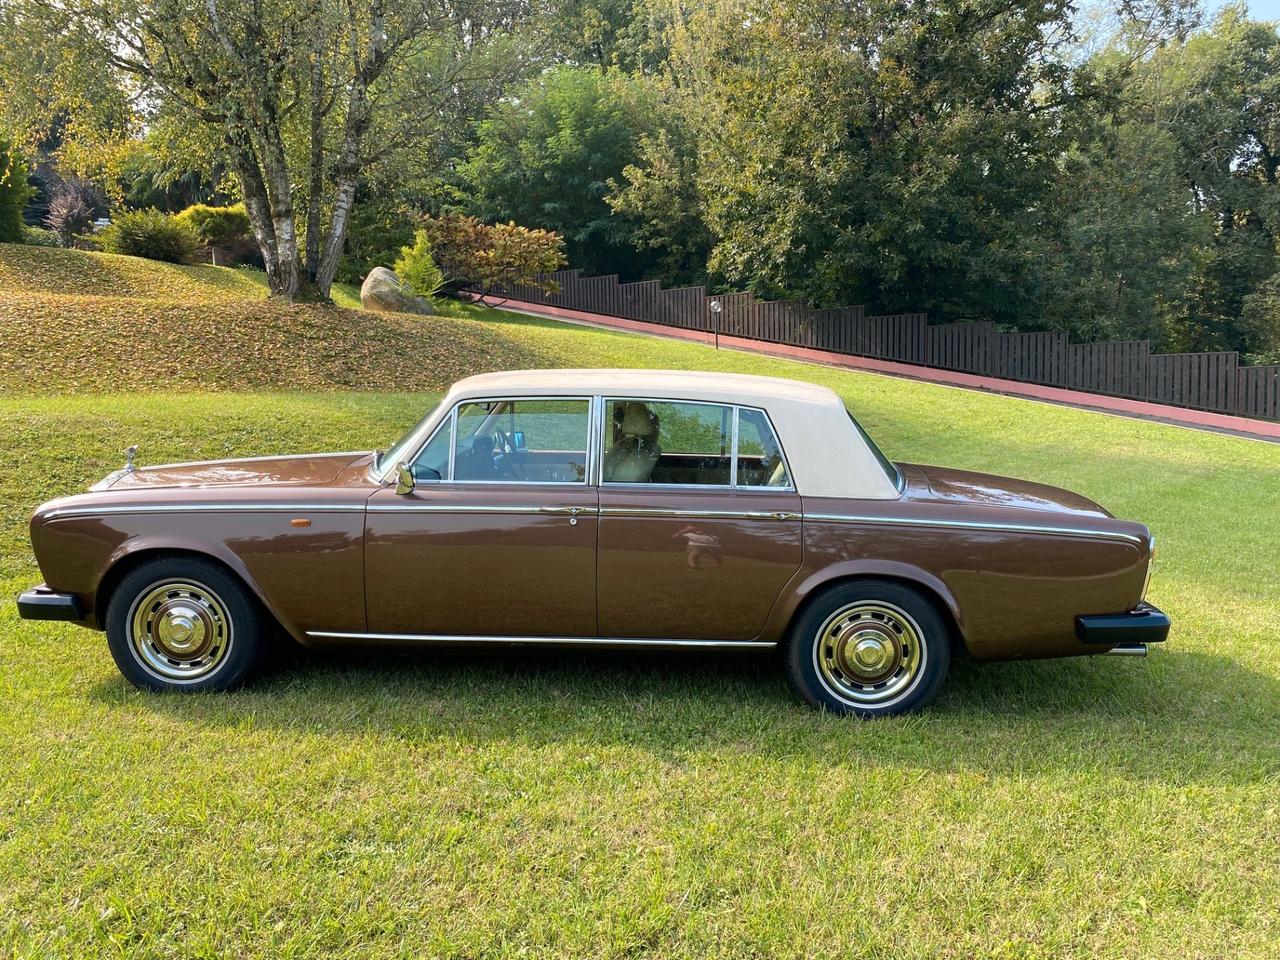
433 461
760 462
668 442
521 441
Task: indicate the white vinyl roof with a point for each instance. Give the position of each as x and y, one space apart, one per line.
827 455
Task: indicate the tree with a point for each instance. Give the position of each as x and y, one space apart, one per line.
1120 258
545 157
1217 98
14 194
302 98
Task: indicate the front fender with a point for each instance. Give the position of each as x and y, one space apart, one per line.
308 578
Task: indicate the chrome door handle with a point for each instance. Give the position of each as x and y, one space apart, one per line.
571 512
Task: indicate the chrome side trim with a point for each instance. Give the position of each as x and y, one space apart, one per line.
971 525
275 456
477 508
558 641
60 512
700 514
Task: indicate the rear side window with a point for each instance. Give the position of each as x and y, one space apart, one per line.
667 442
678 443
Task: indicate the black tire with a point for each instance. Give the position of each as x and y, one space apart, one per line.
228 626
872 621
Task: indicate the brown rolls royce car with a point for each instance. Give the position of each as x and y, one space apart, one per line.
622 508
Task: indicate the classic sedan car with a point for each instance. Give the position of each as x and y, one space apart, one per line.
616 508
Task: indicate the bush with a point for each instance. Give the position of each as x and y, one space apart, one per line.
215 226
417 268
469 253
70 213
40 237
151 234
14 193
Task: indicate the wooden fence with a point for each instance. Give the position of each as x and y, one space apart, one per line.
1202 381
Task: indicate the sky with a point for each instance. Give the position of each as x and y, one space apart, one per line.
1258 9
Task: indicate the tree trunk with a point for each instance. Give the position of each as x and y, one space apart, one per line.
315 185
357 125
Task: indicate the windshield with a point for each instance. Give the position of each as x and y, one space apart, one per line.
403 447
890 468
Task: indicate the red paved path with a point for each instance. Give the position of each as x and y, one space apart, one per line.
1181 416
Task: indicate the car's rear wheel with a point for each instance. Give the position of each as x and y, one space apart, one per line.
184 624
869 648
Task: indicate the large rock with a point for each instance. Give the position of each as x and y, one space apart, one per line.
382 290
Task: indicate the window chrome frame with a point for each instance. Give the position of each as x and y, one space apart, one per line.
451 423
732 486
594 476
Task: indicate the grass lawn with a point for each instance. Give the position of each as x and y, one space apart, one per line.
549 804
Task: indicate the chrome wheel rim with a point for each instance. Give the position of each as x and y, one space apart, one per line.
870 653
180 631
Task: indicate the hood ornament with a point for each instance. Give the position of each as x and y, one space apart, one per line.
130 452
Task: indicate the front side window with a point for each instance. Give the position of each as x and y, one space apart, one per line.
520 441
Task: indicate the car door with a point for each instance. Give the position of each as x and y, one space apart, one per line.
498 536
700 525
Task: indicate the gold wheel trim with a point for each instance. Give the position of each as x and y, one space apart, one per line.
180 631
869 653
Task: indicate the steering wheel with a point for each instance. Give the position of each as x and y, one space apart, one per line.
510 455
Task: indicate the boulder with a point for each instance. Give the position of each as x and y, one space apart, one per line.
382 290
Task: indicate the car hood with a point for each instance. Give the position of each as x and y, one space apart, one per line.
310 469
942 484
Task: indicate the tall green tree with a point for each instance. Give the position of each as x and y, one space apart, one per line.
546 155
14 194
1217 96
882 152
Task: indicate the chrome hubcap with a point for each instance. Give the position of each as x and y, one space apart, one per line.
180 630
869 653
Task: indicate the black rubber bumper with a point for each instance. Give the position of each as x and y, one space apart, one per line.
41 603
1146 624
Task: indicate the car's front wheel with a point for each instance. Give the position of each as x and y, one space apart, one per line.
184 624
869 648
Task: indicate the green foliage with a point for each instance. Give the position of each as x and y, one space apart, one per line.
215 225
416 267
1121 256
546 156
378 230
470 253
150 234
14 193
40 237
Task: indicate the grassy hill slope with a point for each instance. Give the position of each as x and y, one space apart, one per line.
72 321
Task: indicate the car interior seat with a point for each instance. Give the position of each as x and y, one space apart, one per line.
635 451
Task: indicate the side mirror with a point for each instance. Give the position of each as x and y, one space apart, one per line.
404 480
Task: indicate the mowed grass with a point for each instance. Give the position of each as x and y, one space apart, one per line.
550 804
